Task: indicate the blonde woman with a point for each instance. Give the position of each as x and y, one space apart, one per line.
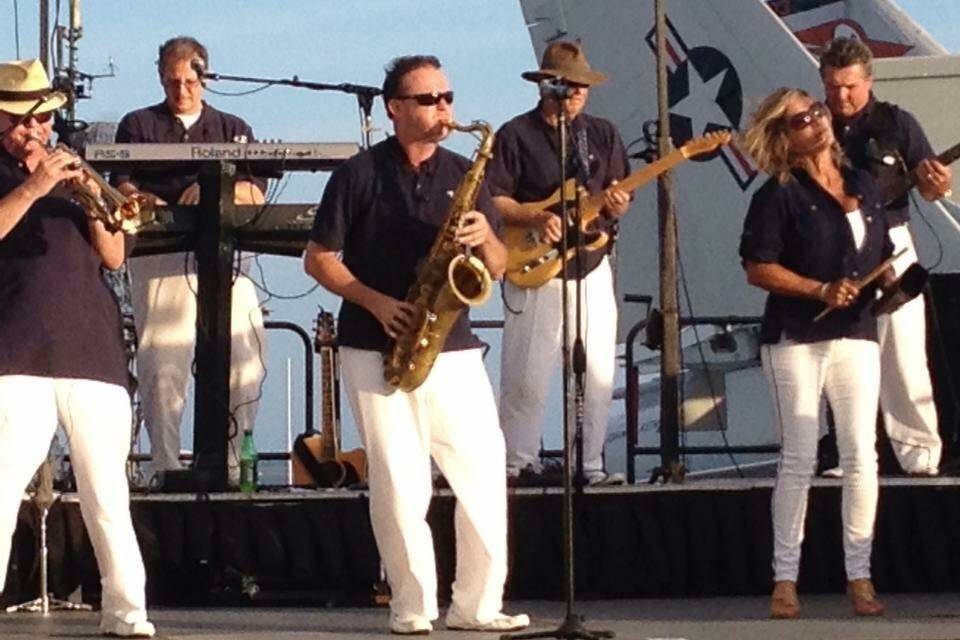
812 232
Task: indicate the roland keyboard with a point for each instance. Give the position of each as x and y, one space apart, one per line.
276 229
292 156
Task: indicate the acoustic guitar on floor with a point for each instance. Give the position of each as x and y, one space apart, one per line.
317 457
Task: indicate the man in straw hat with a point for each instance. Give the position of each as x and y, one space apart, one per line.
525 169
61 352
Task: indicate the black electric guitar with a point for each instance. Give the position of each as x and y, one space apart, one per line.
910 180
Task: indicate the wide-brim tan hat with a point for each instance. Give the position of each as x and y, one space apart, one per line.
565 60
22 84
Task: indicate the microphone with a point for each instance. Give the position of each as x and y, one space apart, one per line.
888 158
199 67
555 88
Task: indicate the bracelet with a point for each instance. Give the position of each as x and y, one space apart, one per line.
822 291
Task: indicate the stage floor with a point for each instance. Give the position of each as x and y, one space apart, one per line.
911 617
701 539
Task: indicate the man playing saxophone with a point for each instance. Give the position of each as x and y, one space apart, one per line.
383 210
61 352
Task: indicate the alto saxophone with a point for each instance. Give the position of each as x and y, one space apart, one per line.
450 279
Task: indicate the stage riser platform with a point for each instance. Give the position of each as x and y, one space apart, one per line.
634 542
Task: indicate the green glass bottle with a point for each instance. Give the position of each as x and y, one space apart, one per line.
248 463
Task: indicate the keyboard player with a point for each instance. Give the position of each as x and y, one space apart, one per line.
164 286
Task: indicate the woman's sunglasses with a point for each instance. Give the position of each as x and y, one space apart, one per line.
429 99
804 119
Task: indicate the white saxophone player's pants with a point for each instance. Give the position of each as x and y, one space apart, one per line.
531 357
96 419
906 395
451 417
848 372
165 309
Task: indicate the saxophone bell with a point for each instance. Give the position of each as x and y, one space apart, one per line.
469 279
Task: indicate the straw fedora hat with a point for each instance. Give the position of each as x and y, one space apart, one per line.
565 60
22 84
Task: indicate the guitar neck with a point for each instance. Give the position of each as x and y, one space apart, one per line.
948 157
640 177
328 427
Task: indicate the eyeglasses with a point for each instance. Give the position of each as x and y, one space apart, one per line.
173 83
429 99
39 117
804 119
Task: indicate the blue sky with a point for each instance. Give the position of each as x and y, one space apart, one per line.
483 44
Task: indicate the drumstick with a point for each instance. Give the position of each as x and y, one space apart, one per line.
870 277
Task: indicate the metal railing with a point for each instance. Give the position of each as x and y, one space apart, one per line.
669 437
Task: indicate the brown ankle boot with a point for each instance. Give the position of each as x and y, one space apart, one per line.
864 598
784 604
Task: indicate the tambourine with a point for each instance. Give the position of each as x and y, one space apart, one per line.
904 289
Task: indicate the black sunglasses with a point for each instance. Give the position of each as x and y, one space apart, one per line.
429 99
804 119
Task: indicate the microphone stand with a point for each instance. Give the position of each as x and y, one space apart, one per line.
365 94
572 627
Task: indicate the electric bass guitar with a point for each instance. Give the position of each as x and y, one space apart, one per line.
948 157
317 458
532 260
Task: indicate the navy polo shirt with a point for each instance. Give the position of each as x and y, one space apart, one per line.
525 164
385 216
158 124
879 130
800 226
58 319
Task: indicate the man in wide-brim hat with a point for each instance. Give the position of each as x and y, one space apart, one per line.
25 88
62 359
525 169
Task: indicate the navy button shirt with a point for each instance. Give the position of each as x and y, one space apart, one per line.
158 124
891 129
58 319
800 226
525 164
385 216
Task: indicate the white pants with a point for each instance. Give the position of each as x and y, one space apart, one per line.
906 395
849 372
531 356
165 309
452 417
96 419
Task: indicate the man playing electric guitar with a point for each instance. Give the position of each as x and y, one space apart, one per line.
525 169
889 142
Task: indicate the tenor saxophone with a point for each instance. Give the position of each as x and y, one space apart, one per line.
450 279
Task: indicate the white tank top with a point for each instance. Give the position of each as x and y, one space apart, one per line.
859 229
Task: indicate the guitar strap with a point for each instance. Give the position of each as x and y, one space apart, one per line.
581 155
